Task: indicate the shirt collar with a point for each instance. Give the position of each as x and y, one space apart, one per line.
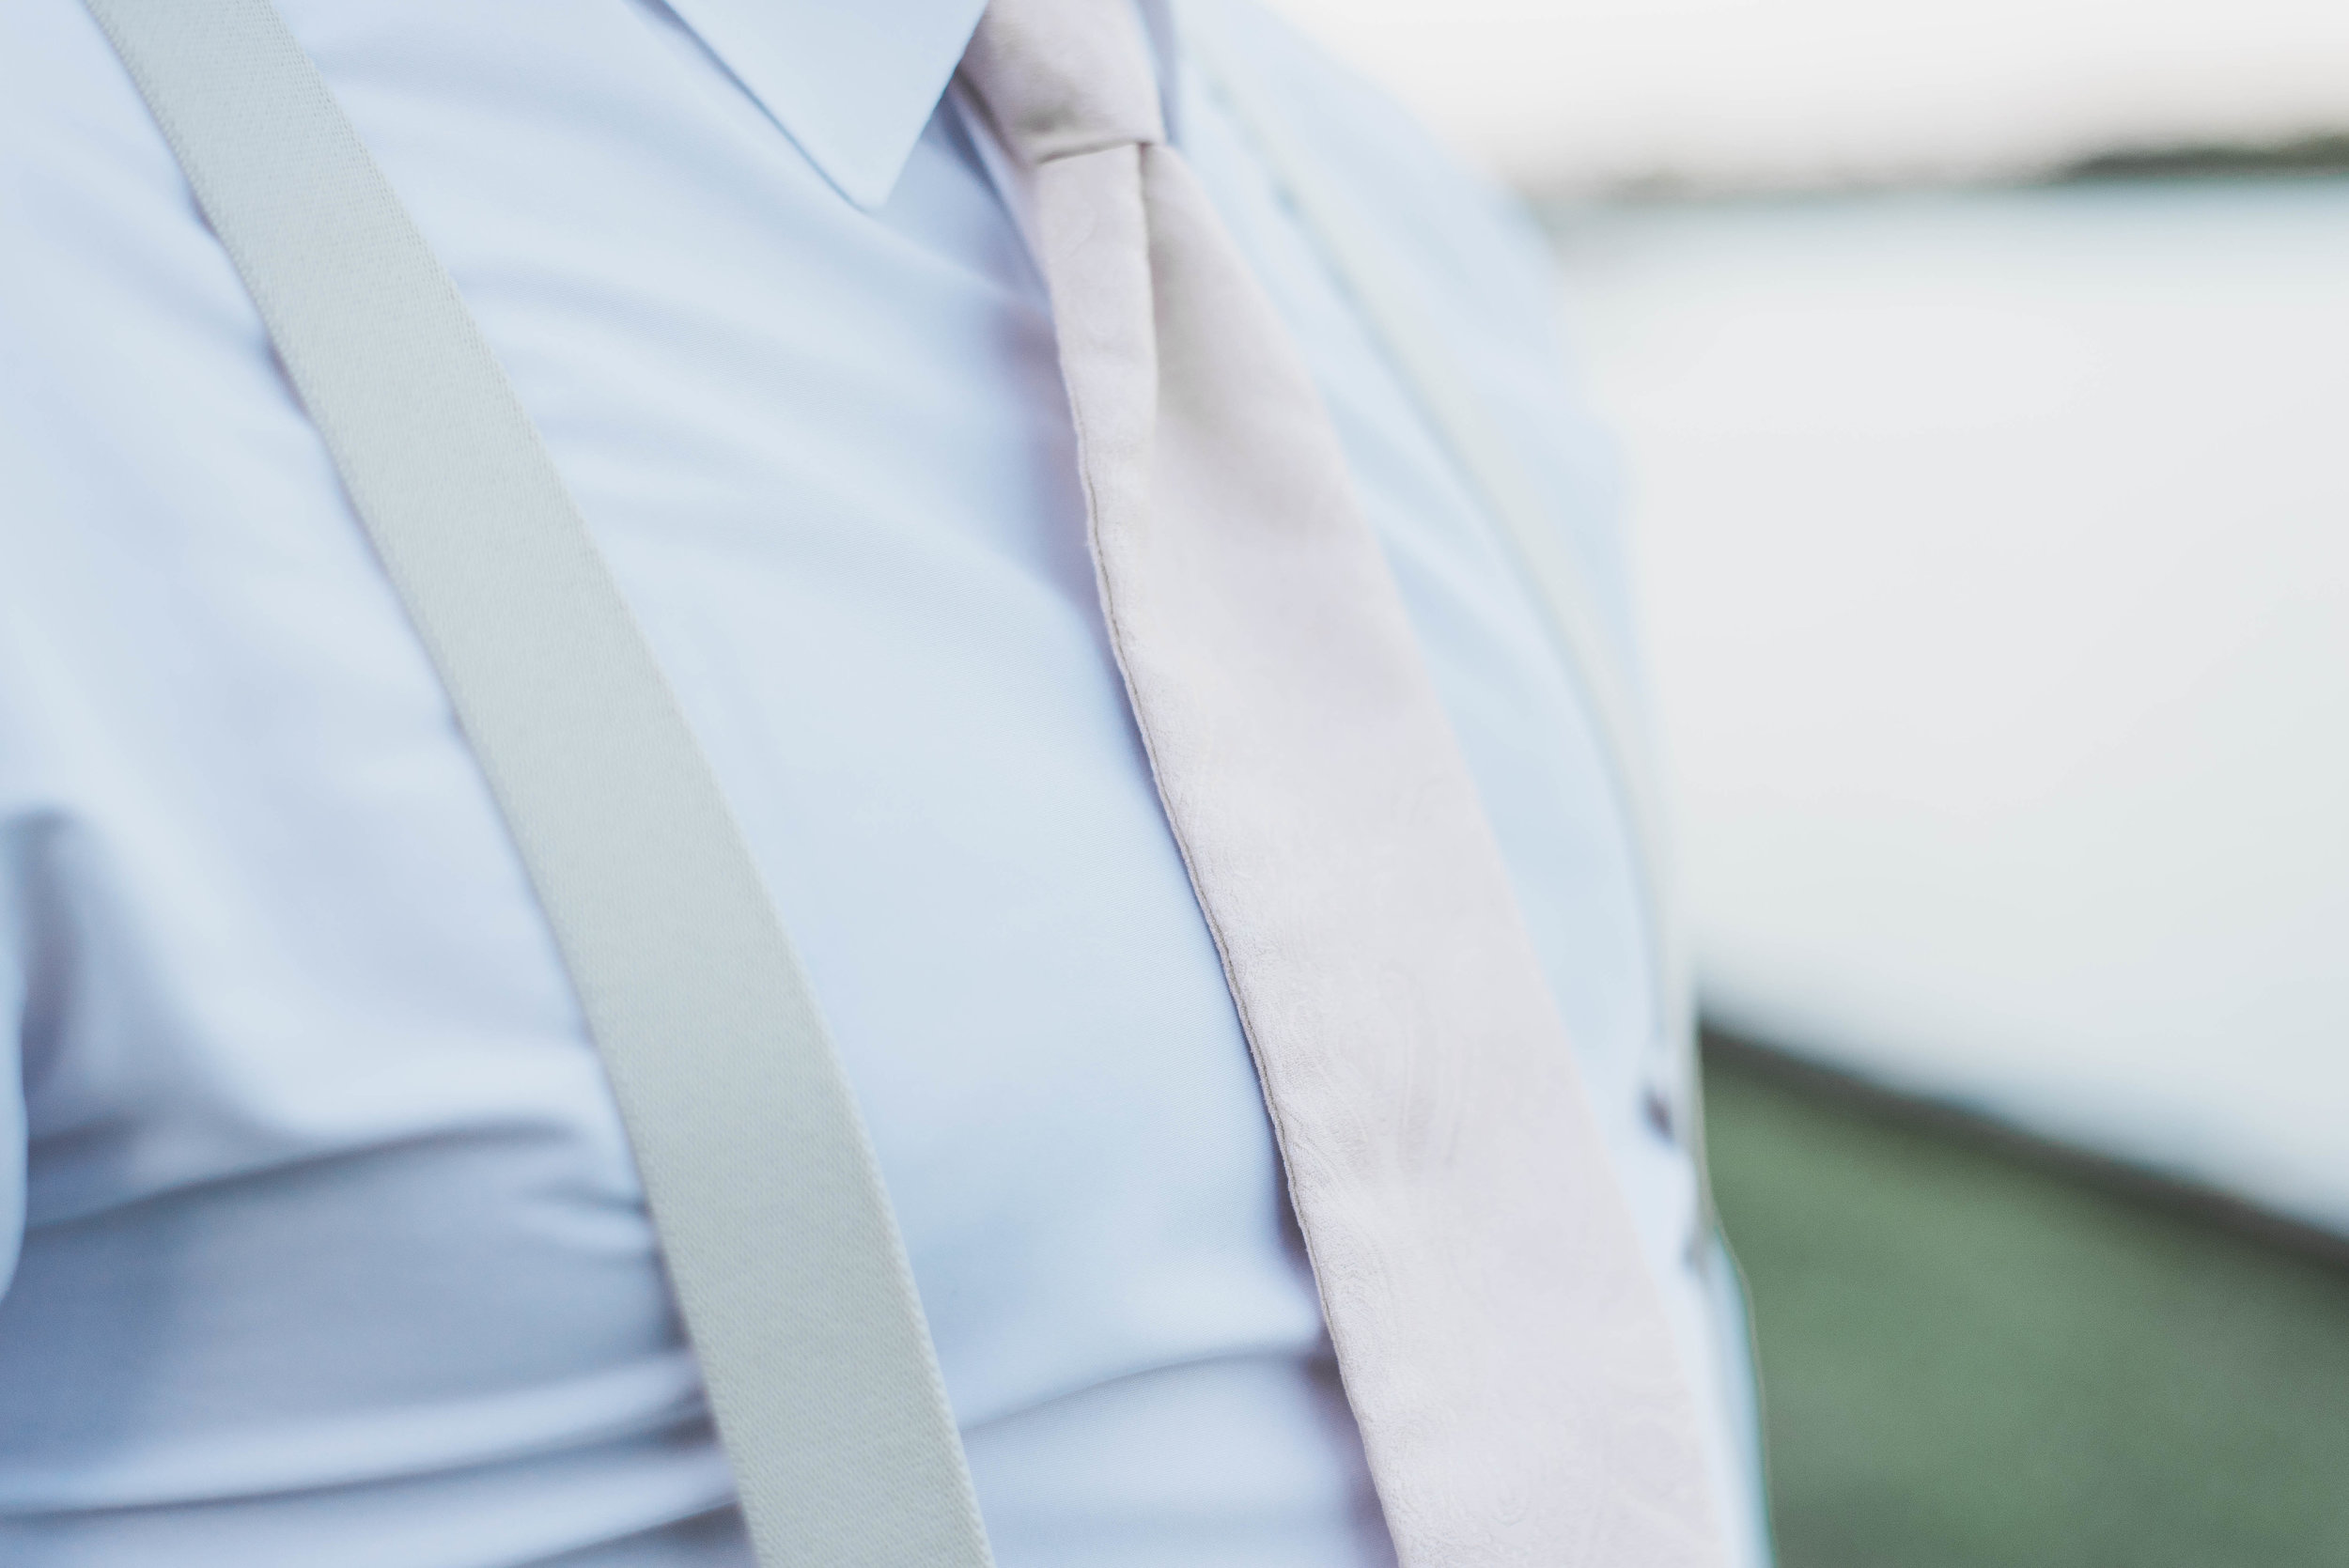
852 82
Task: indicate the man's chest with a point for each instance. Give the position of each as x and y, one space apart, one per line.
829 458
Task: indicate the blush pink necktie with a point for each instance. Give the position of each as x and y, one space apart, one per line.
1502 1346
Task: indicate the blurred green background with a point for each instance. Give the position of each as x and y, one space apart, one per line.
1976 1352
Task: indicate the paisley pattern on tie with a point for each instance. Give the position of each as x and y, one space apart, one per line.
1501 1343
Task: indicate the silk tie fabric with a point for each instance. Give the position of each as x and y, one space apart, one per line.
1501 1341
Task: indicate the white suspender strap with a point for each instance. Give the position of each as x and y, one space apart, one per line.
778 1238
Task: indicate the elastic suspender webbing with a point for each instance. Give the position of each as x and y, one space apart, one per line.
778 1238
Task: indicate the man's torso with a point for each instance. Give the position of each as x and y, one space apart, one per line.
333 1249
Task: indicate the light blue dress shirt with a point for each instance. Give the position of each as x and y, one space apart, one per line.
331 1251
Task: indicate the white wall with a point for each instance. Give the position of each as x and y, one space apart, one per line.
1996 550
1575 94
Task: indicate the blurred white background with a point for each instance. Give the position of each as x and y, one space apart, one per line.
1994 534
1568 97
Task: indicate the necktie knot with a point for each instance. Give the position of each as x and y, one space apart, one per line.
1065 77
